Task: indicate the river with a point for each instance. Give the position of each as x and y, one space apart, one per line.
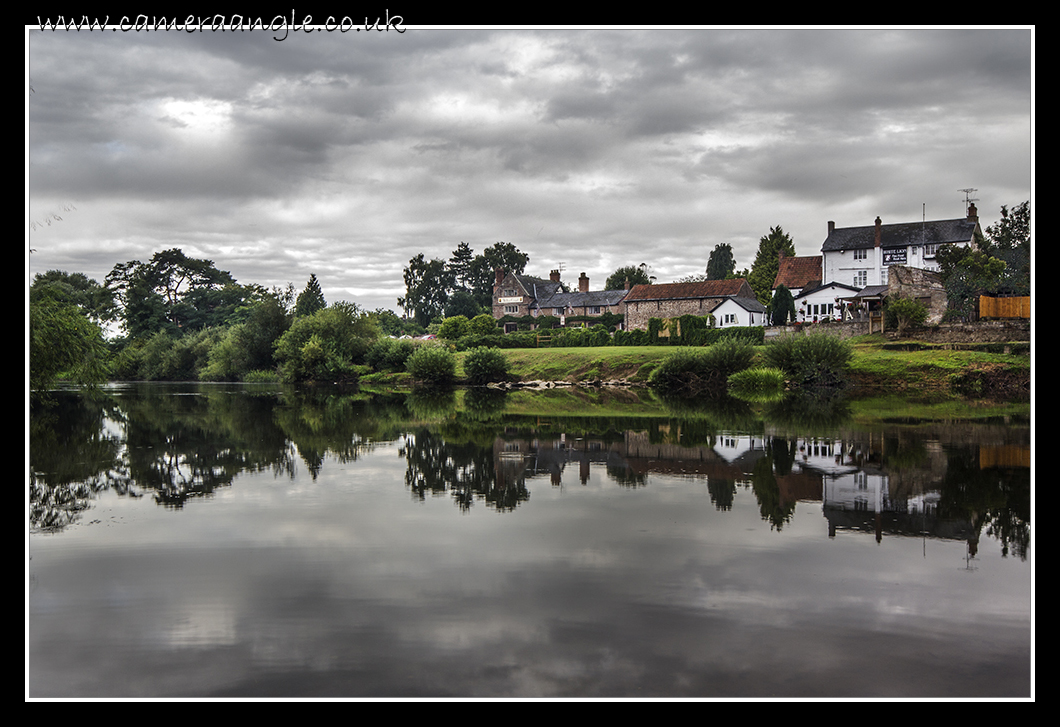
227 541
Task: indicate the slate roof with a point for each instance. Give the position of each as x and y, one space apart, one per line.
900 234
809 291
676 291
871 291
748 304
550 294
799 272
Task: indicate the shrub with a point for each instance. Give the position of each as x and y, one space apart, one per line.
432 365
326 345
816 359
757 382
483 365
453 328
906 312
482 325
695 369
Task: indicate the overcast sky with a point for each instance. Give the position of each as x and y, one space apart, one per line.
346 154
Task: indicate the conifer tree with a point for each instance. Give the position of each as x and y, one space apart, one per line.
310 300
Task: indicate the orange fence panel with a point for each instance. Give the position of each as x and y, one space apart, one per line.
1016 307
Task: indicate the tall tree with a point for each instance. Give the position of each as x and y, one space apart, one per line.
461 266
767 262
311 299
428 284
782 307
173 293
721 262
635 274
1010 241
507 257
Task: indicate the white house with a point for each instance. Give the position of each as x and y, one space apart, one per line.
739 311
860 256
822 302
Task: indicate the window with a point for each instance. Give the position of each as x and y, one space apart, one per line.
559 311
730 318
861 254
511 309
930 250
861 278
594 310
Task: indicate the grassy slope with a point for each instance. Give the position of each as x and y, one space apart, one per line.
872 365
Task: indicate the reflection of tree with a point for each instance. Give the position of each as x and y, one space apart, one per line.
467 470
995 498
72 457
779 457
722 492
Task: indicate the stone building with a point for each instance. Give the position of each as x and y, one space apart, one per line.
923 285
523 295
671 300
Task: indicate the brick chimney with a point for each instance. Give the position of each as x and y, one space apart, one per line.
973 213
831 227
583 283
627 283
554 276
499 272
879 240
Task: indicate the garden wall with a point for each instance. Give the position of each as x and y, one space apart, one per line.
979 332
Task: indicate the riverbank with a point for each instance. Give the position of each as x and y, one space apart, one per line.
878 364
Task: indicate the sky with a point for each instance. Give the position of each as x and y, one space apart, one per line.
345 154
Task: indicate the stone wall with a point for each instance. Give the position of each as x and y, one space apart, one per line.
979 332
638 313
923 285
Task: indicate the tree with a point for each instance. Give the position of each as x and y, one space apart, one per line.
94 300
173 293
62 341
461 266
1010 241
782 306
767 262
427 287
966 274
507 257
635 274
326 345
311 299
721 263
907 312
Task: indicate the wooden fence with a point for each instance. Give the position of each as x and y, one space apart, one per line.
1016 307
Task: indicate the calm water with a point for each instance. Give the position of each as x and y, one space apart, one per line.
231 541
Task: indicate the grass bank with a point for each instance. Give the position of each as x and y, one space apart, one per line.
877 365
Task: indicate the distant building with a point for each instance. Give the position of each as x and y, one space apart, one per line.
671 300
799 273
861 256
523 295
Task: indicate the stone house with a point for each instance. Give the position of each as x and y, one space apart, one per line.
671 300
523 295
862 256
923 285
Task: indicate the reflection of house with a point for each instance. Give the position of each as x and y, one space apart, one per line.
861 256
672 300
522 295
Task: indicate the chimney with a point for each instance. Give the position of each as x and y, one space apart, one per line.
627 283
554 276
878 241
831 227
583 284
973 213
499 272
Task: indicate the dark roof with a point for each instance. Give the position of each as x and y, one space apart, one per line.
833 284
799 272
578 299
748 304
702 289
871 291
538 287
901 234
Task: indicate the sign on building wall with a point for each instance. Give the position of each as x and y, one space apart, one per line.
516 299
894 257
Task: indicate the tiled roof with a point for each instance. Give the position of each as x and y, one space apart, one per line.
799 272
900 234
578 299
748 304
672 291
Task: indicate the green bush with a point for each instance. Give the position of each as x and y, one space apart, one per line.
453 328
388 354
433 365
700 368
327 345
757 382
483 365
815 359
903 312
482 325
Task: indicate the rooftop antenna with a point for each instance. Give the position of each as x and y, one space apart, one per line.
968 199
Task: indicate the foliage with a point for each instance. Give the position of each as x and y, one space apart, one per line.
782 306
767 262
967 274
311 299
389 354
94 300
390 324
906 312
327 345
484 365
483 324
453 328
1010 241
577 336
757 382
462 303
173 293
635 274
63 342
721 263
432 365
694 369
816 359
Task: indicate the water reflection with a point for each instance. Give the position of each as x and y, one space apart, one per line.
174 443
219 540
